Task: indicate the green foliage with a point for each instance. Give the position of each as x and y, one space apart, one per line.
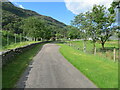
81 23
73 33
11 38
96 24
104 21
33 27
10 22
114 4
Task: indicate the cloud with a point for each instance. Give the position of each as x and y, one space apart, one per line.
18 5
81 6
21 6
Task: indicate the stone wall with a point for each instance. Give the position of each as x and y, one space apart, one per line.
8 55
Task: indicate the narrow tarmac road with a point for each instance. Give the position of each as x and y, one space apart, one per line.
50 69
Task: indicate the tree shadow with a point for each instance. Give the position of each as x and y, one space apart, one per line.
22 81
107 49
59 42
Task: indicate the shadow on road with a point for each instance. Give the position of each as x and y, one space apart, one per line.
23 79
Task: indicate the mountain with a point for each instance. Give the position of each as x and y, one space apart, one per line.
12 14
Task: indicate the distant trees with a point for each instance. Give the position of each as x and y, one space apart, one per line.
35 28
10 22
73 32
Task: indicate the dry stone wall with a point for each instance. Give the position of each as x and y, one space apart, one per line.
8 55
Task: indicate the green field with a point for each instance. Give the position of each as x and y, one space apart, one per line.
12 71
109 46
102 71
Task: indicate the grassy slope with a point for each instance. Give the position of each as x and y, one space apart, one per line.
12 71
103 72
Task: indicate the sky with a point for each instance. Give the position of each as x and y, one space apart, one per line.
56 10
65 10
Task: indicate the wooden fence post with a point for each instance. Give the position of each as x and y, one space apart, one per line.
114 54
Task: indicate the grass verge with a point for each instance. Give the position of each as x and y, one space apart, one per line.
12 71
103 72
16 45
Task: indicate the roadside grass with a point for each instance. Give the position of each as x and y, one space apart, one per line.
13 70
16 45
0 77
101 71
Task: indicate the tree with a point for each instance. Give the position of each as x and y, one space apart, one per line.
112 11
81 23
34 28
104 20
92 29
47 32
73 33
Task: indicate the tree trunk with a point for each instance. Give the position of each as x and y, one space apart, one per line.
94 48
34 39
41 39
84 46
119 48
103 45
114 54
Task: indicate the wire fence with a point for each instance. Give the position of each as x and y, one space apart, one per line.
110 52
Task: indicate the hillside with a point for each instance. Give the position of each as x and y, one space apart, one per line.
12 14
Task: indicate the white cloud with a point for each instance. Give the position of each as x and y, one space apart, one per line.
81 6
21 6
18 5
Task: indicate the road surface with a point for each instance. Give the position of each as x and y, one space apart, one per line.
50 69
